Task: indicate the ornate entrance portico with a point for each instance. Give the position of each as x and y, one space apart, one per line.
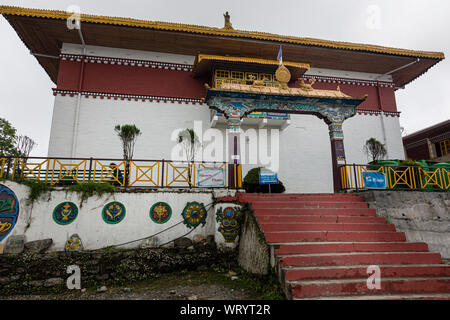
236 101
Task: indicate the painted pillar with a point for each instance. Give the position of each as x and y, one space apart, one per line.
234 151
383 128
337 152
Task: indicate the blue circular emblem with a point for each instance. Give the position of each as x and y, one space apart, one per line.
65 213
9 211
113 212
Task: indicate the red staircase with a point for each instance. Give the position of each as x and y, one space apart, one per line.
325 242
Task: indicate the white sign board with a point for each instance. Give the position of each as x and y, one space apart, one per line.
211 177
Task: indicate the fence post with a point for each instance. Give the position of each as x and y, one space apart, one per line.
162 175
127 172
90 168
7 168
356 178
13 175
239 175
417 181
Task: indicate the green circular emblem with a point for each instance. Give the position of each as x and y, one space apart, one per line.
65 212
160 212
113 212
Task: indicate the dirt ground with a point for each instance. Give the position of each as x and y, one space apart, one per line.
200 292
206 285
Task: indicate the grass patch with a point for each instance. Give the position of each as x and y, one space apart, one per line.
256 287
36 189
88 189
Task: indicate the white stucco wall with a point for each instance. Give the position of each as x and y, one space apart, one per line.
36 221
71 48
304 145
348 74
98 117
360 128
304 148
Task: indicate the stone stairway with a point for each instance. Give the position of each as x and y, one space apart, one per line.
323 244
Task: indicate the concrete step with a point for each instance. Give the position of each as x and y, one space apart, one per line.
273 227
307 204
366 212
318 219
309 199
299 197
311 248
392 286
360 272
346 259
326 236
324 244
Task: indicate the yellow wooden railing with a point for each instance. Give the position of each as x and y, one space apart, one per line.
181 173
150 172
397 177
109 172
63 171
132 173
237 173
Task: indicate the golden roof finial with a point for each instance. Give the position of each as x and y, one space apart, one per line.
227 21
283 75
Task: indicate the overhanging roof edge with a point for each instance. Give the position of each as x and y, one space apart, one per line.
178 27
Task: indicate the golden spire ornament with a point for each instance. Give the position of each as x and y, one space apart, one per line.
283 76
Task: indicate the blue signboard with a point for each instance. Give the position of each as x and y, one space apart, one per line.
374 180
268 177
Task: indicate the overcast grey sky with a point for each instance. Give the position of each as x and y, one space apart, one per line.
25 88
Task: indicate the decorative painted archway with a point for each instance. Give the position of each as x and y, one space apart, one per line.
235 101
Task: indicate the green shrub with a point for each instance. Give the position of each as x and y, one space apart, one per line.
409 163
88 189
251 183
36 189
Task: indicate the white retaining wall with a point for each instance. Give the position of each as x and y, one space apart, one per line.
36 221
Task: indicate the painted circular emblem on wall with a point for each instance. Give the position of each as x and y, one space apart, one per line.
113 212
160 212
193 214
229 212
9 211
65 213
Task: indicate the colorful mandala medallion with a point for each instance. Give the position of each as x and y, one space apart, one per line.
113 212
193 214
9 211
160 212
229 222
65 213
